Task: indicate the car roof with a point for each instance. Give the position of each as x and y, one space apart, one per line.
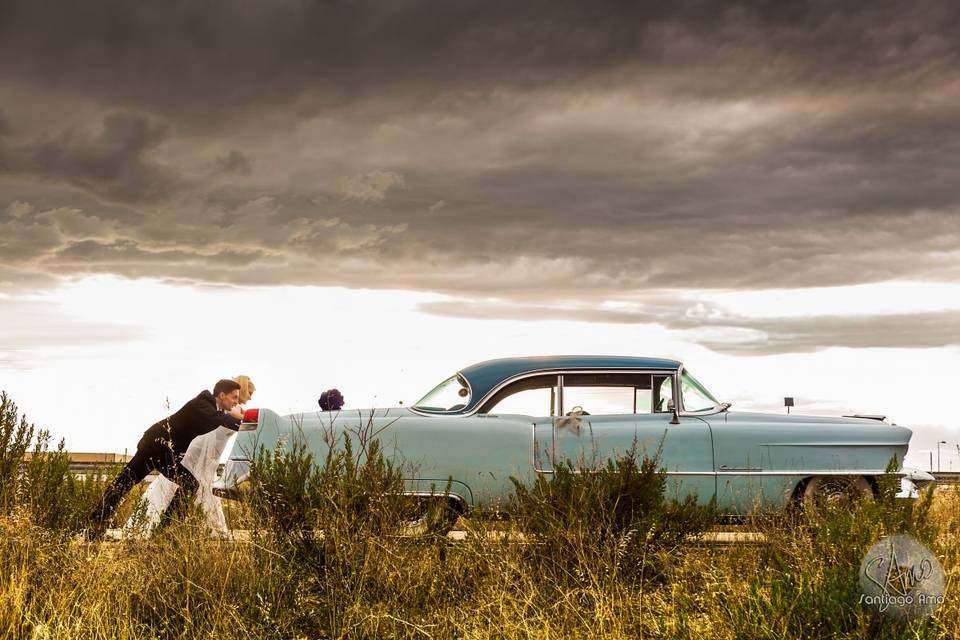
484 376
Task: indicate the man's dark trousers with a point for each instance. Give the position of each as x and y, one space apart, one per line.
150 456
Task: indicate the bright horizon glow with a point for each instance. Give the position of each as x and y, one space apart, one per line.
100 393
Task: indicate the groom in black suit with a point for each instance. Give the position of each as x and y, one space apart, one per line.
162 447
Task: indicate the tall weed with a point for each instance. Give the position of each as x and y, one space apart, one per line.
614 520
805 582
41 484
16 435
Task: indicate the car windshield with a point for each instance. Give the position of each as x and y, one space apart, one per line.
695 396
452 394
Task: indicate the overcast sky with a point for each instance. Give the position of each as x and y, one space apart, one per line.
756 186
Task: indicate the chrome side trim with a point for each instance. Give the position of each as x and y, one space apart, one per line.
769 473
867 417
831 444
808 472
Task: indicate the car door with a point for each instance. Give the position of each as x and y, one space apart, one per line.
608 414
478 453
741 462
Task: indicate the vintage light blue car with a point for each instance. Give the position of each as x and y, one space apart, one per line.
522 416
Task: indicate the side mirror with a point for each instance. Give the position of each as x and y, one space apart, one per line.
676 416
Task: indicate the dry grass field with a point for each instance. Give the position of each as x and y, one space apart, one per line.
606 557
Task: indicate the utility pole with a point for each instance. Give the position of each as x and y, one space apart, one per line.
938 453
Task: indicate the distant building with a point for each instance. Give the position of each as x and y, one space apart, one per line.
82 458
947 477
82 463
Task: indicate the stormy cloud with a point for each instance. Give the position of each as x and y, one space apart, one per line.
234 162
217 59
530 152
111 161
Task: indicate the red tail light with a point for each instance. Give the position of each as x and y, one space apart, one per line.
251 415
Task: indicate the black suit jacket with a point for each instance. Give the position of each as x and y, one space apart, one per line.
197 417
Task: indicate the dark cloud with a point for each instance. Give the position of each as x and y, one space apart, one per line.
218 59
234 162
111 162
126 254
734 334
581 152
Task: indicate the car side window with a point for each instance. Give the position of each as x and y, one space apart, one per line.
609 393
536 396
662 395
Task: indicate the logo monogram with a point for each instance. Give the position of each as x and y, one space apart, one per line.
901 578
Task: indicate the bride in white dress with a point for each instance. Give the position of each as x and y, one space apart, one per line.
202 459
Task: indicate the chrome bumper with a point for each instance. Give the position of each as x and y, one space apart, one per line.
235 474
909 490
913 482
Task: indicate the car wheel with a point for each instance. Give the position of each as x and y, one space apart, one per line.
826 492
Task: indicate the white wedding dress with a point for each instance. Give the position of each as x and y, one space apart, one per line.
202 459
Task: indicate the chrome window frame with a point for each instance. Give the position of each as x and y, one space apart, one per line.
455 412
673 373
682 410
558 374
651 372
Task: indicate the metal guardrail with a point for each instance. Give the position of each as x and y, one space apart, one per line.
946 477
84 469
83 464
